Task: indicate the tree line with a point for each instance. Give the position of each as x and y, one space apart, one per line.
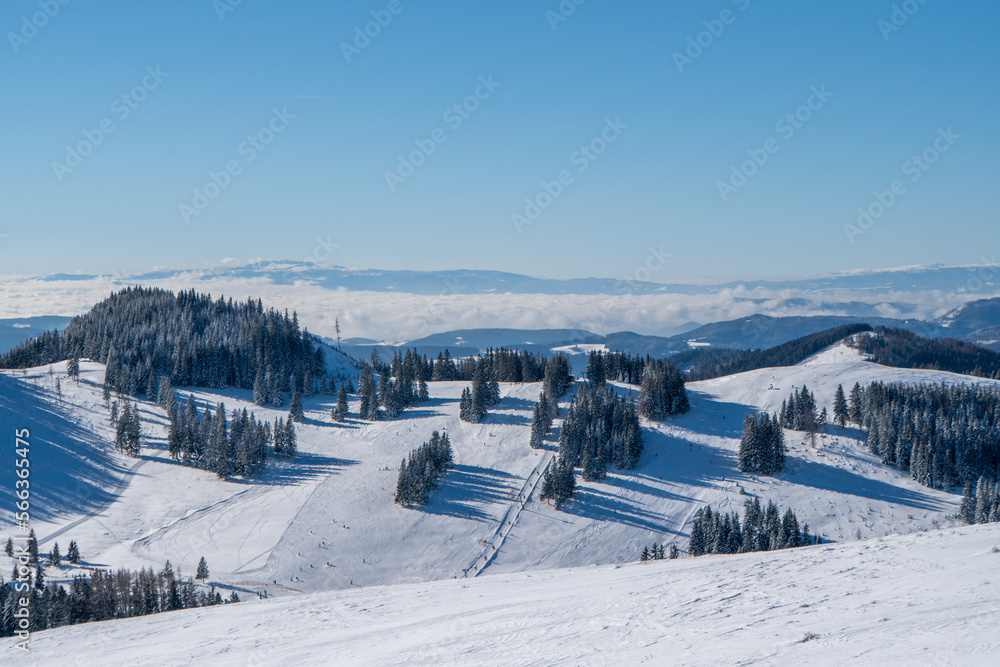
904 349
941 434
102 596
711 363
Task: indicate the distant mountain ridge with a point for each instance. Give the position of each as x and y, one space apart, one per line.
475 281
972 323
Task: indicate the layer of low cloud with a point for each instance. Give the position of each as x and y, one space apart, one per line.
399 316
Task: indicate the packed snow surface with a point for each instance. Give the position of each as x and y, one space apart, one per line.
923 599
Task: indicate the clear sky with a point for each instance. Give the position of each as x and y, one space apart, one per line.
310 117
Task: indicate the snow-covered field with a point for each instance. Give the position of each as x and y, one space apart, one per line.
929 598
326 520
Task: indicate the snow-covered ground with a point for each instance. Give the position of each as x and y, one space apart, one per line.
326 520
930 598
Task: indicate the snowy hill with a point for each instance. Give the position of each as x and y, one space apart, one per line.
327 521
922 599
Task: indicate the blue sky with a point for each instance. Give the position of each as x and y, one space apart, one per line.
330 126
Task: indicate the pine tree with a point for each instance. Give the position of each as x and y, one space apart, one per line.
840 412
369 396
202 571
260 387
32 547
73 368
595 369
165 398
55 558
9 547
854 411
340 411
291 447
73 553
538 427
295 411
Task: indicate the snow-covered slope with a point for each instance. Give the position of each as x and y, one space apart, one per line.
923 599
327 521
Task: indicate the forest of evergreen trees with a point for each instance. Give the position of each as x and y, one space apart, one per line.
600 428
237 446
762 529
142 334
762 446
483 394
942 434
385 389
904 349
711 363
101 596
420 472
662 393
616 367
799 413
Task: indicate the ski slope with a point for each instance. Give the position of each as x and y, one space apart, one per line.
924 599
326 520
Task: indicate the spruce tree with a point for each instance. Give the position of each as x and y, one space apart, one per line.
340 411
55 558
9 547
73 553
295 411
32 547
73 368
538 427
595 369
202 571
840 412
